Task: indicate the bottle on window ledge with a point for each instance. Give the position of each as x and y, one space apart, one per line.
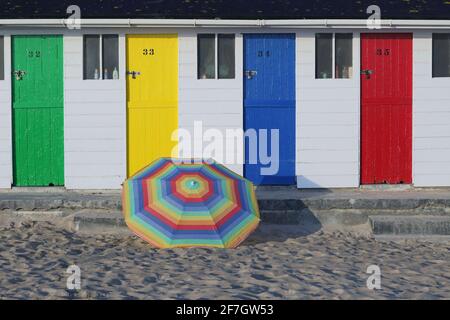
96 74
105 74
115 74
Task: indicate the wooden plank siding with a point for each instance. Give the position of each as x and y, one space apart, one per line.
327 121
431 118
328 112
217 103
95 121
5 119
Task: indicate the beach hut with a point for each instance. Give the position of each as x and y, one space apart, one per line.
356 92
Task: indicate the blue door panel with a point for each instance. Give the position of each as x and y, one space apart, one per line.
262 118
269 101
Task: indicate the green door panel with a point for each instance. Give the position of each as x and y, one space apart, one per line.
38 110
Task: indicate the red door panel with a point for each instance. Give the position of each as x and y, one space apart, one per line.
386 108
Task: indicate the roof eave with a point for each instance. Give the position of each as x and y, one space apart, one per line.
190 23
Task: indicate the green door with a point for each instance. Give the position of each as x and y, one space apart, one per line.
38 111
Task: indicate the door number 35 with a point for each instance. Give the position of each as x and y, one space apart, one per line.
385 52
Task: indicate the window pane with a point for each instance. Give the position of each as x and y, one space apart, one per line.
324 55
226 56
441 55
344 55
2 59
91 57
206 56
110 57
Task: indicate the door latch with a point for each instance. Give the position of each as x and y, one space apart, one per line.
19 74
367 73
250 74
133 74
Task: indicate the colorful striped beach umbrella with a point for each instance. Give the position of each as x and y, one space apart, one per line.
202 204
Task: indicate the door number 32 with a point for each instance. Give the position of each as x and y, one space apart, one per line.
32 54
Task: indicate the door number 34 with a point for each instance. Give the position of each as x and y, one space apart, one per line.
262 53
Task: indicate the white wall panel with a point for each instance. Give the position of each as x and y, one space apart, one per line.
95 122
328 113
217 104
6 118
327 121
312 181
431 118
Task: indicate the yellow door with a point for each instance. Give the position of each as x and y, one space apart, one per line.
152 98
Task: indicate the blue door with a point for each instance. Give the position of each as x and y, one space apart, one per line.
269 104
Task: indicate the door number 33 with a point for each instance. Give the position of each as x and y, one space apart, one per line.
148 52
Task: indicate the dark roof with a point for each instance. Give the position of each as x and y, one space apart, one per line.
226 9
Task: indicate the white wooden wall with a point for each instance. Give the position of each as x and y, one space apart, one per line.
5 120
95 122
431 105
217 103
328 113
95 111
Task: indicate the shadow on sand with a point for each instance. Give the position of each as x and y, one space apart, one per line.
308 225
276 199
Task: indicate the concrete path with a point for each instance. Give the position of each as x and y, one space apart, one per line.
417 211
351 198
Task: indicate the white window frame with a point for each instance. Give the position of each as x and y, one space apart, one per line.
101 76
216 56
333 56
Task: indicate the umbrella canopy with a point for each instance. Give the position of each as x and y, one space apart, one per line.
202 204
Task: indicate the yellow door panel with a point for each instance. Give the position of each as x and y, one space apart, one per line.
152 98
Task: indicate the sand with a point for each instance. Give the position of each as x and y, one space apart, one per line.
272 264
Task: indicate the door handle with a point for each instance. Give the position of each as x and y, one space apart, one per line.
367 73
19 74
133 74
250 74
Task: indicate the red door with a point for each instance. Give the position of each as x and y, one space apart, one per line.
386 108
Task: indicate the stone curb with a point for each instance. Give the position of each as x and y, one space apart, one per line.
33 202
412 225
